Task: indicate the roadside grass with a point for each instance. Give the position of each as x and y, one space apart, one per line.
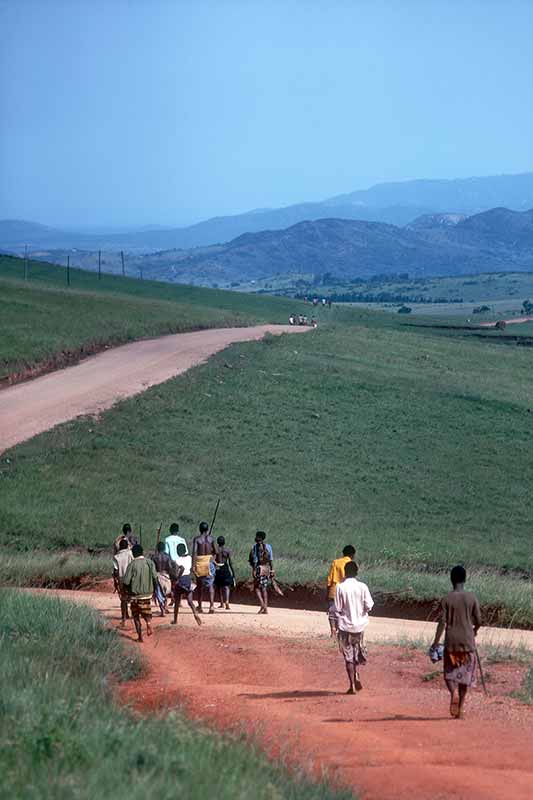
62 735
414 447
525 693
41 319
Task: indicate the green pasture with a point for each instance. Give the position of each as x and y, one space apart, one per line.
63 736
413 446
41 317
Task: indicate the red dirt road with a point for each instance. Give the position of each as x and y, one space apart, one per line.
282 682
97 383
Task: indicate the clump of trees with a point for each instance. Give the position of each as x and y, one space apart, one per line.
404 310
527 307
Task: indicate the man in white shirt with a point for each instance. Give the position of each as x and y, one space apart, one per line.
121 562
353 601
172 542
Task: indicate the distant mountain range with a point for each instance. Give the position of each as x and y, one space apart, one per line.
394 203
433 245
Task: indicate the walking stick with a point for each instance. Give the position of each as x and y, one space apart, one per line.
214 517
158 535
481 673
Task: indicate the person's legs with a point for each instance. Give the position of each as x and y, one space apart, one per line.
211 590
225 595
137 621
264 593
260 598
190 602
177 599
462 697
200 595
123 609
454 698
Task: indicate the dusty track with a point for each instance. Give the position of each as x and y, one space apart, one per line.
100 381
279 679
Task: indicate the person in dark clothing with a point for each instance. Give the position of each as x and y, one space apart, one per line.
460 621
166 573
224 575
261 562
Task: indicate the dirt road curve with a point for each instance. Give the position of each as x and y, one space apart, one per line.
513 321
97 383
281 680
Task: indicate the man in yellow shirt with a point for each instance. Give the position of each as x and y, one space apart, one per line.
336 575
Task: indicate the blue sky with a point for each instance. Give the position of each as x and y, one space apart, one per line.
132 112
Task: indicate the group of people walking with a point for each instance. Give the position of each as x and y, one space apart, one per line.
172 574
350 601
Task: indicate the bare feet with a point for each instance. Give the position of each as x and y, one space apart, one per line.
358 685
198 620
227 606
351 690
173 621
211 610
454 706
149 630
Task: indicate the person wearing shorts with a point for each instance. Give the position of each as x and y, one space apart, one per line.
140 580
183 585
353 602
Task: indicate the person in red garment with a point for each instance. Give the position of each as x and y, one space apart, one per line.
461 619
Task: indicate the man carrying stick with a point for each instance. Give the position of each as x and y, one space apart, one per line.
203 552
461 619
353 601
141 581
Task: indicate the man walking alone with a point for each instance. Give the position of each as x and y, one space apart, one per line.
353 601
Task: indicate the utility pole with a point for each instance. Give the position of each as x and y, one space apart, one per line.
68 270
25 262
99 264
122 257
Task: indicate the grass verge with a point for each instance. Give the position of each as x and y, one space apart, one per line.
44 324
62 736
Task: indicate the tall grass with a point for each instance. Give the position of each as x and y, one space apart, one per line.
61 735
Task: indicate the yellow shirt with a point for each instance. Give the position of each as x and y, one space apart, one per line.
336 575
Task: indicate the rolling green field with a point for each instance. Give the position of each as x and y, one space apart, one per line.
414 446
41 318
62 735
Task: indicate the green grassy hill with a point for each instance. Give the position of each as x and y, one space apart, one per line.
42 321
414 446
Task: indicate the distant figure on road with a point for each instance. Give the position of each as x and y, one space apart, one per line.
300 319
261 562
292 320
141 582
353 601
461 619
314 323
173 540
336 576
323 302
203 552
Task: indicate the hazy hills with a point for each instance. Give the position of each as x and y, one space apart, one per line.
433 245
394 203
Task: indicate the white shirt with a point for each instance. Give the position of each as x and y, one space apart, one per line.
121 561
171 545
186 563
353 601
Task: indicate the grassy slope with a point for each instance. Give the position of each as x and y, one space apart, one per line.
413 446
61 735
42 317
